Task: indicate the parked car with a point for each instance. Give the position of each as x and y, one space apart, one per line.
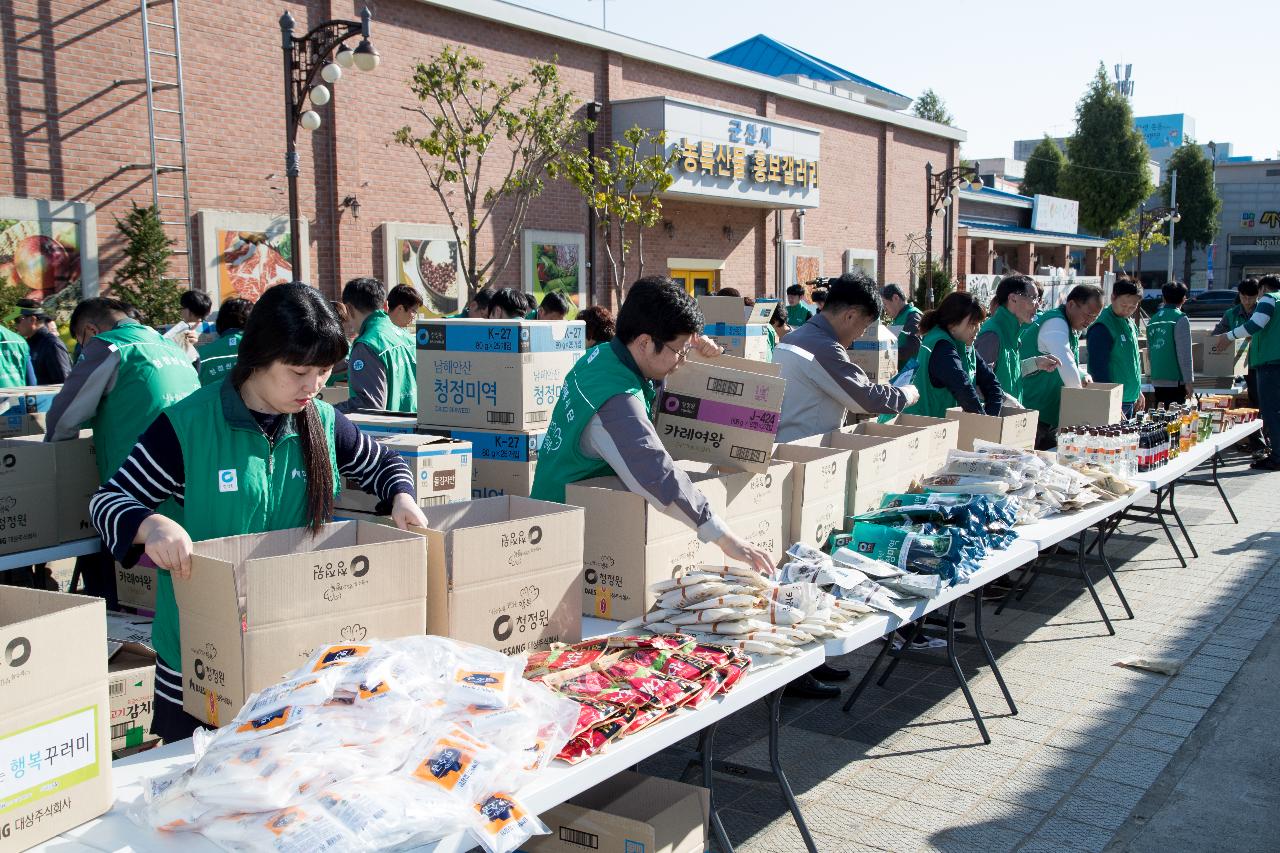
1210 303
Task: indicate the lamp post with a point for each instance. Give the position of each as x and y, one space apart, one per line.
940 190
305 59
1154 218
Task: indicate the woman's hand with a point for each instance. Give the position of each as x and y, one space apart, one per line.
743 551
405 512
167 543
1047 362
1223 343
706 347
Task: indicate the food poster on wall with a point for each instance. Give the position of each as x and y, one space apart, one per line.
431 268
40 257
249 262
555 262
806 269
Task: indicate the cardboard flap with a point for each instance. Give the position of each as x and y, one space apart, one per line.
732 362
38 632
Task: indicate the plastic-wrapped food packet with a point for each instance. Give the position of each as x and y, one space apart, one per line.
486 683
454 763
304 828
503 825
310 689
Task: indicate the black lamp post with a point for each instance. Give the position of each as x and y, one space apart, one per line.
940 190
305 59
1153 218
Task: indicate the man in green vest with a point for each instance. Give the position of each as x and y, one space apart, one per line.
15 360
1169 342
798 311
1264 357
1017 301
127 373
382 370
1057 333
403 304
219 356
1113 345
1247 292
903 318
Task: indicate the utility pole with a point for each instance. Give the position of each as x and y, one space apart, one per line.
1173 203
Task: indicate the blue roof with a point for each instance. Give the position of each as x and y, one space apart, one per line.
1027 232
763 55
1002 194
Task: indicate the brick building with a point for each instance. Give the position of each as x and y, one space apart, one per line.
76 121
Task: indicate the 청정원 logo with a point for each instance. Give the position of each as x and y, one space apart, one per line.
227 481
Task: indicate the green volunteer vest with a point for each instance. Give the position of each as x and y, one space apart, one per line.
1042 390
153 374
1264 347
1008 367
901 320
236 483
1125 362
934 401
218 357
597 377
798 315
1160 341
398 353
14 354
1235 318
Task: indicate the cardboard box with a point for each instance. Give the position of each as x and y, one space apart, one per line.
75 478
384 424
335 394
503 573
350 582
28 495
723 410
1099 403
131 683
819 482
502 463
742 340
1230 363
441 468
944 435
737 494
914 448
15 423
876 352
629 813
874 462
494 374
28 398
136 587
1015 428
53 704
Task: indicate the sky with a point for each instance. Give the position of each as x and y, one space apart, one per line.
1007 70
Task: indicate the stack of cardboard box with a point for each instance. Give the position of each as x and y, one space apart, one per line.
875 463
742 330
441 470
131 664
44 492
22 409
876 352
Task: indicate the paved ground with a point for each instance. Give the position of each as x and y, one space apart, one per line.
1099 757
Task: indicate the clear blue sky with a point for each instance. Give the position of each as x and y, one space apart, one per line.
1014 70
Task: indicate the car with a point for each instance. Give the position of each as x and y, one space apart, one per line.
1210 303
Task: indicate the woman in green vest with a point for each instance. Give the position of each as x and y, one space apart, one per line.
1113 346
1016 302
217 358
256 452
948 371
382 371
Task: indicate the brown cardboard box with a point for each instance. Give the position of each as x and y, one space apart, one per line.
28 495
737 494
504 573
440 466
131 686
944 435
386 424
914 448
733 310
819 479
75 479
628 813
136 587
53 704
874 457
742 331
28 398
1229 363
1015 428
723 410
503 463
494 374
335 394
1099 403
15 423
351 582
876 352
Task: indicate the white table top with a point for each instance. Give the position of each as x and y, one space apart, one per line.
1198 455
45 555
1049 531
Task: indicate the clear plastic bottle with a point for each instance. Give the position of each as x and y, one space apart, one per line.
1068 445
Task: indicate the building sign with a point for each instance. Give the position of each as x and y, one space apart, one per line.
1249 241
1266 219
729 157
1050 213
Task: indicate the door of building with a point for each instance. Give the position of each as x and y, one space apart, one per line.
697 282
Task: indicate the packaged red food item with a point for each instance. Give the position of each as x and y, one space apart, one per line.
587 684
623 694
592 713
716 655
561 658
647 717
670 642
651 658
621 670
687 667
734 670
666 692
712 685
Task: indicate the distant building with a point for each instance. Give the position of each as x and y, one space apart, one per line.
1003 232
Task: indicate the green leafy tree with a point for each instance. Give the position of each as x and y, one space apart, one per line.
623 186
1044 169
1124 246
143 279
1106 168
934 276
488 147
930 107
1198 201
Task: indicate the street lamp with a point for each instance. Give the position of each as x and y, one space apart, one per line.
1151 220
940 191
305 60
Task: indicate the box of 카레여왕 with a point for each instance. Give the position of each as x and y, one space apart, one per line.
136 586
494 374
1096 403
723 410
1014 427
820 479
350 582
876 352
502 463
503 573
440 466
55 753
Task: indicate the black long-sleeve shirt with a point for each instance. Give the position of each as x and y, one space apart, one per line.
947 371
49 358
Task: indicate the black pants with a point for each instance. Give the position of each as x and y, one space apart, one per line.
98 576
1174 395
1046 436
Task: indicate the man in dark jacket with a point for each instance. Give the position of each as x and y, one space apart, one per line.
49 356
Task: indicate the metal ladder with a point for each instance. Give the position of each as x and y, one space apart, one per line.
168 144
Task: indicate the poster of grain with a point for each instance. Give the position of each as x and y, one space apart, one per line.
243 254
555 261
41 245
426 258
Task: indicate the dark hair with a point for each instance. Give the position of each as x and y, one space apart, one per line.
1014 284
99 311
234 314
890 291
854 290
795 290
556 302
748 301
510 302
658 307
1269 283
957 307
1174 293
404 296
1248 287
292 323
366 294
600 327
819 296
728 291
779 316
1083 294
482 297
1125 287
197 302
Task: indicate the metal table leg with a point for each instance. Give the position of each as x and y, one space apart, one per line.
960 679
870 673
1160 513
775 731
1218 485
1105 528
897 655
1084 573
706 743
986 650
1173 508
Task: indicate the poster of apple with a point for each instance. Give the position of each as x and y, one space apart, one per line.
245 253
555 261
39 256
426 258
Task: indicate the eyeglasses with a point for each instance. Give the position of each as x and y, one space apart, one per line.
682 353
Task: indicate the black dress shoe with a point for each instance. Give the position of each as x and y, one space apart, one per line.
808 687
830 673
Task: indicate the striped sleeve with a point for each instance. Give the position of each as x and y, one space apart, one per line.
1256 323
379 470
153 473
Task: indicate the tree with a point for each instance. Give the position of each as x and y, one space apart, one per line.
143 279
623 187
1124 246
1198 201
930 107
1107 156
934 275
1044 169
530 118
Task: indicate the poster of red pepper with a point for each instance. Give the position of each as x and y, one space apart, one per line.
555 261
